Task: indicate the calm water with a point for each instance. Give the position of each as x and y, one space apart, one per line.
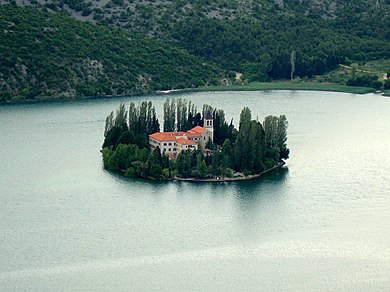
323 223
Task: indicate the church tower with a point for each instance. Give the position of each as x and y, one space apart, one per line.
208 125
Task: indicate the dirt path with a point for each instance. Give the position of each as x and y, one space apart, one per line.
364 71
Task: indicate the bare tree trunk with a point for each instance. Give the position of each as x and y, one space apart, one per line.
293 58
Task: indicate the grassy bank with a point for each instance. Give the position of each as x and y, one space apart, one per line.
287 85
254 86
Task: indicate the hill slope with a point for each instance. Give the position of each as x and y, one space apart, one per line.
255 37
142 45
50 54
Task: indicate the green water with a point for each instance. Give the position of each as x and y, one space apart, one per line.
320 224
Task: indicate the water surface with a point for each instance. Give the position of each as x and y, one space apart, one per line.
320 224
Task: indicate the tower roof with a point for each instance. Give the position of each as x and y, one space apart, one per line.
208 115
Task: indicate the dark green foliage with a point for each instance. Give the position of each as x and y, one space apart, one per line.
77 5
258 71
156 165
216 163
142 118
281 137
275 129
183 163
142 140
180 115
227 155
254 148
261 48
202 169
50 55
386 85
221 128
155 171
155 157
169 115
365 80
249 144
257 143
210 145
126 137
113 135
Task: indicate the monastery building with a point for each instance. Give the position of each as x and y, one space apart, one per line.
172 143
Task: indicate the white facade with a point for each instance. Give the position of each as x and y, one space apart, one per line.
175 142
166 147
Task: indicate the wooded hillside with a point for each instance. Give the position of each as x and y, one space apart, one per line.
133 46
52 55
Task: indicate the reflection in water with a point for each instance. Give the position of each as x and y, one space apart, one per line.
288 230
269 187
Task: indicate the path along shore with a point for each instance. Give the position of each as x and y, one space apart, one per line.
227 179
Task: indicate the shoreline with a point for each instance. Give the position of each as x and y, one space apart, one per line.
253 86
288 85
232 179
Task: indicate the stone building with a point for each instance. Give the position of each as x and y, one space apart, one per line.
172 143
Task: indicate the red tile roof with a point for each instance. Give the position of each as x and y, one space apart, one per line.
171 136
174 133
164 136
197 129
185 141
192 135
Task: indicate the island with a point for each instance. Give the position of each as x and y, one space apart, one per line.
193 146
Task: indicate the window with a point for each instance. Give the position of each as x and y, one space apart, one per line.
174 149
169 148
165 144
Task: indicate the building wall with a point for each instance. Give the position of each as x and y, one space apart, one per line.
165 146
169 147
209 133
205 138
185 147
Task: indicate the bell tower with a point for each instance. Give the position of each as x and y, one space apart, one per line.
208 124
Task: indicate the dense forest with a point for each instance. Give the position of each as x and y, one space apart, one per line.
263 50
46 54
251 149
124 47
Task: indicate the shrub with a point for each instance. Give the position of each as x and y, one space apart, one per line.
387 83
130 172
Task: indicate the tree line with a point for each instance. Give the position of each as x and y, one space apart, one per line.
262 48
252 148
45 54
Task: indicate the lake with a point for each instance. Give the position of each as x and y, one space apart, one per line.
322 223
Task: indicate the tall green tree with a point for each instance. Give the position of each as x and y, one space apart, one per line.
133 118
169 115
183 163
181 113
121 115
109 123
281 137
241 146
